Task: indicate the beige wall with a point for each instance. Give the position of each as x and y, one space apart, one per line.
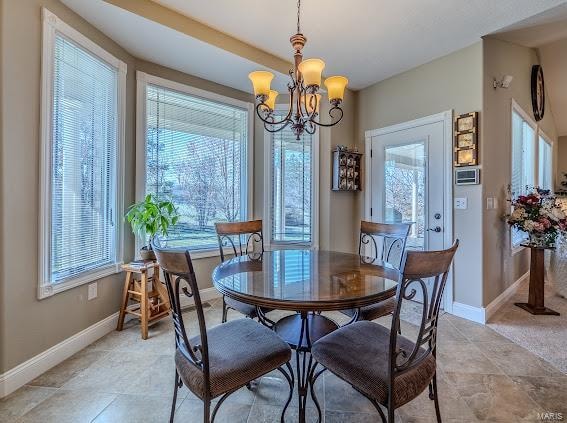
30 325
450 82
501 267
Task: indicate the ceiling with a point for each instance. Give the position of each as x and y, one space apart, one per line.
367 43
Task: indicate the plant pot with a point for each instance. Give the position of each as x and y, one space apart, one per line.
542 239
146 254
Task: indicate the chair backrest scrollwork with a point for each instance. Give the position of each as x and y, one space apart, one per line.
180 280
230 234
394 237
417 266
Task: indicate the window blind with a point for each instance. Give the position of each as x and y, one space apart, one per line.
83 162
291 210
523 163
196 156
545 166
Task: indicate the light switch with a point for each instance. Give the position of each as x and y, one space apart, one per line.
461 203
489 203
92 291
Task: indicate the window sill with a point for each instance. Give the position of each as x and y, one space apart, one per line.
516 250
47 289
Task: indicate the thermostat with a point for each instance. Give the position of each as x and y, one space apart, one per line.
467 176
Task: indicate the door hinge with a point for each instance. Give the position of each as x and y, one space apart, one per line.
370 153
370 211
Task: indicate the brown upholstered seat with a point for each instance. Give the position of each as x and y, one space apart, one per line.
374 311
219 361
389 369
239 351
357 354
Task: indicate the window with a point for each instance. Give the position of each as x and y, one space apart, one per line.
291 188
82 100
196 147
545 163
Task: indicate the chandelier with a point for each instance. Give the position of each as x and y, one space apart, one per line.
304 96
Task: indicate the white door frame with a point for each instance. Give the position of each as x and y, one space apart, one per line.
447 119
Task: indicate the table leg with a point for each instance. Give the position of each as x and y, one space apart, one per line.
305 367
535 304
124 303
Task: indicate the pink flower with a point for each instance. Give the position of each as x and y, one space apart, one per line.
545 222
538 227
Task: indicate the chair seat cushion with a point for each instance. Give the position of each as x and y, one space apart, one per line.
374 311
246 309
358 354
239 351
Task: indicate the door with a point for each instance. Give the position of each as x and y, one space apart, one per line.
408 181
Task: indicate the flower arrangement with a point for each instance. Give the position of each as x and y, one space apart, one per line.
540 215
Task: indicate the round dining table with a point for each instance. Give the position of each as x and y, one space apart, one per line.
308 282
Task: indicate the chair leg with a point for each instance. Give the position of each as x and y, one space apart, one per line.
433 395
390 411
174 402
207 412
224 311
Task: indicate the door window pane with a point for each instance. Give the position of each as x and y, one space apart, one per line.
404 183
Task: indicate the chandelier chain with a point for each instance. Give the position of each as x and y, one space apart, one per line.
298 13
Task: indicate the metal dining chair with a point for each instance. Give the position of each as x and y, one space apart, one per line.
386 367
231 235
221 360
393 237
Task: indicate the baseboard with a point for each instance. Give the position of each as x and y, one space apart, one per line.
35 366
499 301
475 314
482 314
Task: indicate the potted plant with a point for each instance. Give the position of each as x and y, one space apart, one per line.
149 218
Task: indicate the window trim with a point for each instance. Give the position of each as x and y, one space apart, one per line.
314 244
51 26
142 81
549 141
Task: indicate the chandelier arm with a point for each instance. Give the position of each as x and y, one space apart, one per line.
327 125
273 131
312 130
265 120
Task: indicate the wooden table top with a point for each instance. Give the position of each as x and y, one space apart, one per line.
306 280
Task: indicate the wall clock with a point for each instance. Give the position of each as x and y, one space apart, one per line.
538 92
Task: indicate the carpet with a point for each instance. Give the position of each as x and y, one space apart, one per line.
545 336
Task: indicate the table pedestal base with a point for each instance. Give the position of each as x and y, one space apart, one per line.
300 331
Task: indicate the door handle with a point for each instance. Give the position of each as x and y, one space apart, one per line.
435 229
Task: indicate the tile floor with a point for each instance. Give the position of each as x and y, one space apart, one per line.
120 378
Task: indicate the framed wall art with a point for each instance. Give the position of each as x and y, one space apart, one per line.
465 151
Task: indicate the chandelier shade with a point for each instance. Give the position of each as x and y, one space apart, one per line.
261 81
305 94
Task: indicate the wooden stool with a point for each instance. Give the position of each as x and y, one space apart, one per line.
153 302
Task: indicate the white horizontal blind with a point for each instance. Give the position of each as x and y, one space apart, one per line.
523 163
196 156
291 208
545 165
83 162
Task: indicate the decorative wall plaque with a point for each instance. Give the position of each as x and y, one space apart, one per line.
465 151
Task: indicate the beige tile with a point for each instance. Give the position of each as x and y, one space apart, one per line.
550 393
21 401
514 360
69 406
343 417
474 331
192 411
456 356
274 390
271 414
340 396
136 409
451 404
494 397
61 373
113 373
